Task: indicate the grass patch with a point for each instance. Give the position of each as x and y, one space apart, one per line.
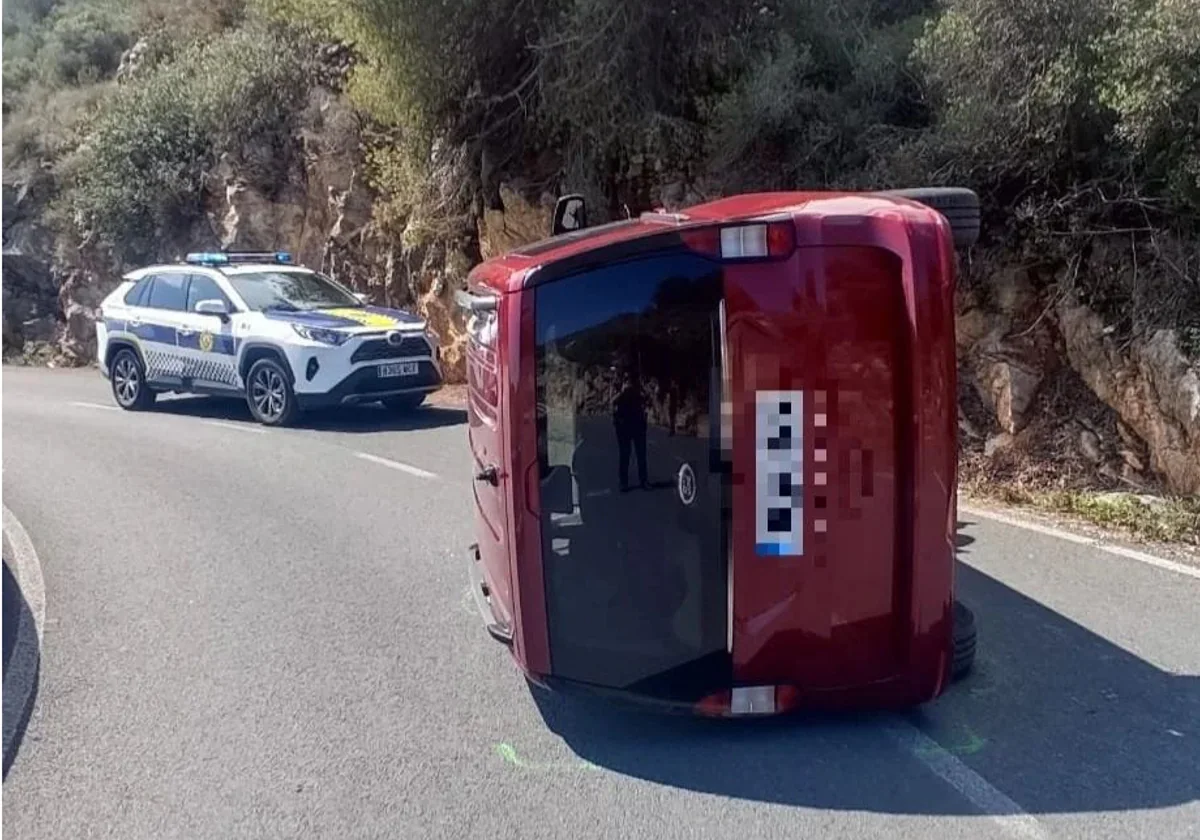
1163 519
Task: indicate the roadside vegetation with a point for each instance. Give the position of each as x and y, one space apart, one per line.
1165 519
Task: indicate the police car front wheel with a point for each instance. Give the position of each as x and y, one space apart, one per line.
128 378
269 394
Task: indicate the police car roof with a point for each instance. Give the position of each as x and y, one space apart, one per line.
254 268
235 268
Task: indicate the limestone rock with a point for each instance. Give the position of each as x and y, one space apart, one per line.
1152 386
1089 445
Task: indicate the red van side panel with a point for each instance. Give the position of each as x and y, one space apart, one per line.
531 637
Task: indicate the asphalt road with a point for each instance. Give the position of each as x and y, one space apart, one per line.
266 633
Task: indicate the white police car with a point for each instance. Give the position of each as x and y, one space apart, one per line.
255 325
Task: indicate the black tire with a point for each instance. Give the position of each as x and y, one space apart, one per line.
963 650
959 205
269 394
403 402
127 376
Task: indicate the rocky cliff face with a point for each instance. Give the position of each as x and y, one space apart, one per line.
1047 391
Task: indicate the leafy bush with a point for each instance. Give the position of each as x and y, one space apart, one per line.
64 45
85 44
137 182
1152 84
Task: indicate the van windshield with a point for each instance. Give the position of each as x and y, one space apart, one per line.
291 291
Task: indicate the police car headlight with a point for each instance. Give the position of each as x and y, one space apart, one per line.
323 336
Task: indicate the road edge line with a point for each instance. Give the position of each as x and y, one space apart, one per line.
989 799
20 683
409 469
1117 550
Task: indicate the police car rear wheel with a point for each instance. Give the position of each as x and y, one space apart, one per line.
404 402
269 394
128 379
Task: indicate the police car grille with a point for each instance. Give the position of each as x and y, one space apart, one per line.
374 349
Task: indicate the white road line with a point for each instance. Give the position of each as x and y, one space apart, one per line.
95 405
396 465
1008 815
1140 556
236 427
21 675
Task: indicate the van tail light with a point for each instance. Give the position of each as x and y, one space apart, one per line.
755 241
749 701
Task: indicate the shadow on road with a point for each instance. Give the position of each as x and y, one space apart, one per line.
1057 717
357 418
22 654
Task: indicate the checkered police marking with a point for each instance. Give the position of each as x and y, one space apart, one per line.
206 370
779 473
160 364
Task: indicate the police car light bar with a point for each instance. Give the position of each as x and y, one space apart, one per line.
226 257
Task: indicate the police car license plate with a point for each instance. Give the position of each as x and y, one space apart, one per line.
398 369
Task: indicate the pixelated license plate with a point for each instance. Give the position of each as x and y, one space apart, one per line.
779 473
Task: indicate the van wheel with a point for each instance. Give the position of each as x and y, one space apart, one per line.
963 649
128 378
959 205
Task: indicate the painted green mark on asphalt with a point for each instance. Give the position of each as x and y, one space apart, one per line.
970 745
508 753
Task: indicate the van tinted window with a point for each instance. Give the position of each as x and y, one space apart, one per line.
628 378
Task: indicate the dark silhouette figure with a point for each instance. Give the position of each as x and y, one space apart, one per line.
629 418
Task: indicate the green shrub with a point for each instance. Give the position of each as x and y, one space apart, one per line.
84 44
68 44
137 182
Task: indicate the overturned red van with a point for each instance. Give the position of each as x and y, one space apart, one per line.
715 452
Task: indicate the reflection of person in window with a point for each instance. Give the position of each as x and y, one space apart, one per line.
629 418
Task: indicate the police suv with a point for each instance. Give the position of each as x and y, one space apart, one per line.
255 325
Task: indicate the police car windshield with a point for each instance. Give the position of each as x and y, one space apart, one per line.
290 291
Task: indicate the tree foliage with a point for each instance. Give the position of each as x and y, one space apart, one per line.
138 179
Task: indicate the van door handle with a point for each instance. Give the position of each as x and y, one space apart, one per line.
489 474
186 331
135 322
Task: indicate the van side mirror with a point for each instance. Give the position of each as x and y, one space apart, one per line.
362 297
570 213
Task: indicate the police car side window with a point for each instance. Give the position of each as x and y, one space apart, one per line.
201 288
137 295
168 292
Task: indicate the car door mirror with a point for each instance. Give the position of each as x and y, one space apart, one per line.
215 306
570 213
362 297
558 491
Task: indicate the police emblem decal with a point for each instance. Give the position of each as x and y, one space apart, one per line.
686 484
